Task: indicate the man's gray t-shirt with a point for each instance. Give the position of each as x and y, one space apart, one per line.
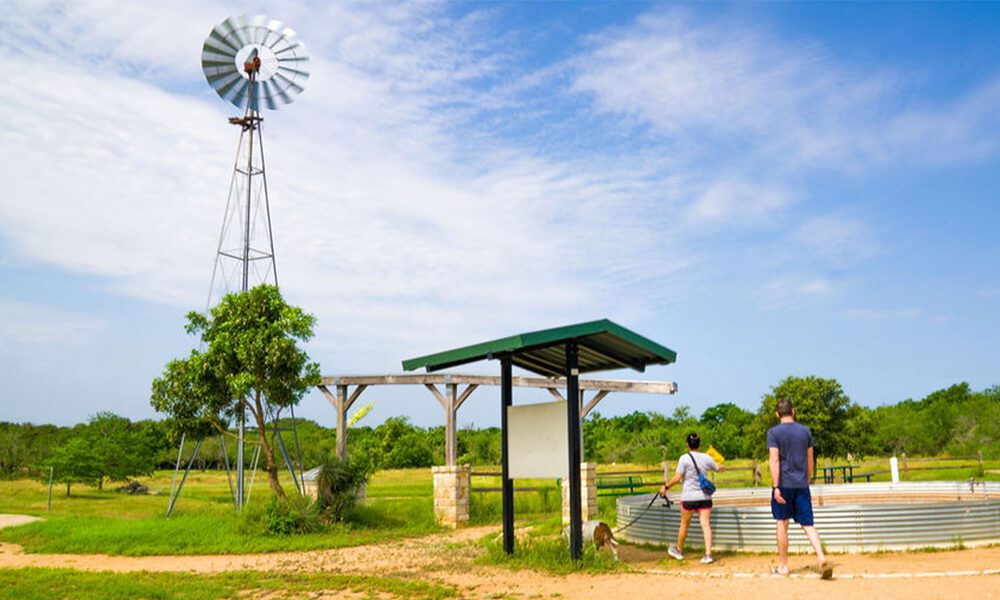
691 491
793 441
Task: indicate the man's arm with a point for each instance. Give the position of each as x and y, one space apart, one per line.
774 463
811 462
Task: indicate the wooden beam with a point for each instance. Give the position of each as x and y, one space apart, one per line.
612 385
593 402
555 393
465 395
437 394
354 396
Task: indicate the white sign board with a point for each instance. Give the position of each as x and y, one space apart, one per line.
538 445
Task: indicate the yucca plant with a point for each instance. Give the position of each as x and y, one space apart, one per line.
337 485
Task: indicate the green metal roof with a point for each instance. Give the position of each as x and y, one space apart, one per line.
603 345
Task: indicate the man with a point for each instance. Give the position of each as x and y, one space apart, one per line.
791 461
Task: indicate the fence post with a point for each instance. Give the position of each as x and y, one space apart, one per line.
52 471
980 456
906 467
755 474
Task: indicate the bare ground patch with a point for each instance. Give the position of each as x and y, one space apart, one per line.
450 559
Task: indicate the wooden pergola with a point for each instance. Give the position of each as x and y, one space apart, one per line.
456 388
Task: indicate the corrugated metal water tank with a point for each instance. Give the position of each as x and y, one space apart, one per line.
859 517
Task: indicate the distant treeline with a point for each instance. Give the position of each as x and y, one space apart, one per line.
955 420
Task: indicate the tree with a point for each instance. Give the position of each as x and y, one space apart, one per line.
120 449
72 463
251 363
838 425
726 428
107 447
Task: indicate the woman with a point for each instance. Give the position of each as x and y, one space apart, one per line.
693 500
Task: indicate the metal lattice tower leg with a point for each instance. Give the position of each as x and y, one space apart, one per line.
245 255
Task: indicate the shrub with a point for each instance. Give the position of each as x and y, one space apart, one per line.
337 486
295 514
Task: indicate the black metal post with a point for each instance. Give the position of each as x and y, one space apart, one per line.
506 400
573 430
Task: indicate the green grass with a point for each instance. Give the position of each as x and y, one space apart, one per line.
45 584
544 552
402 483
399 505
203 521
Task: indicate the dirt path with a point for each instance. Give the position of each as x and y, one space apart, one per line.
449 558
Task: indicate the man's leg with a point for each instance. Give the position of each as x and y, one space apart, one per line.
817 544
804 516
781 526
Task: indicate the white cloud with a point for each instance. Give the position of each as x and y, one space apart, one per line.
796 291
841 241
383 226
771 102
27 324
882 314
736 201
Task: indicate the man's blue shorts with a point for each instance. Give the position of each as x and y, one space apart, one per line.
798 506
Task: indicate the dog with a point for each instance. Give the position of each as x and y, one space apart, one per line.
599 533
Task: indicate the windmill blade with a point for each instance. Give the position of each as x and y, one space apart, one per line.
283 61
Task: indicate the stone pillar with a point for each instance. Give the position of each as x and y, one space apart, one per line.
588 493
451 495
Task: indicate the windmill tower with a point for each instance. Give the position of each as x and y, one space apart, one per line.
250 62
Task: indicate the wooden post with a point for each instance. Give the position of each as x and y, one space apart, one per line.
906 467
755 472
342 403
341 422
980 456
450 433
52 472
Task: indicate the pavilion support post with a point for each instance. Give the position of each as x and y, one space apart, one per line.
507 490
450 434
451 401
575 454
341 422
342 402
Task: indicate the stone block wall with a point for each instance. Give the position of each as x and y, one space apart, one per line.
451 495
588 493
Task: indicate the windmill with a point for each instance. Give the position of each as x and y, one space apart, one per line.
252 62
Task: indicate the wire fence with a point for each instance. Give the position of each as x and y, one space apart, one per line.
634 481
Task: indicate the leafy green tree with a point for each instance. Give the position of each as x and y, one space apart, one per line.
72 463
726 427
121 450
479 446
821 405
24 447
251 363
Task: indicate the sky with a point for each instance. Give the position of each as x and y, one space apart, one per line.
768 189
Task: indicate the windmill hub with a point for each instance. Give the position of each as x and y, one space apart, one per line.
254 59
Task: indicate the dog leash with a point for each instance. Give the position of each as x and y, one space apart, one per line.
667 503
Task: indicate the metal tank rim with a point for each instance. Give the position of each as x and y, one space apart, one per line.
859 517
